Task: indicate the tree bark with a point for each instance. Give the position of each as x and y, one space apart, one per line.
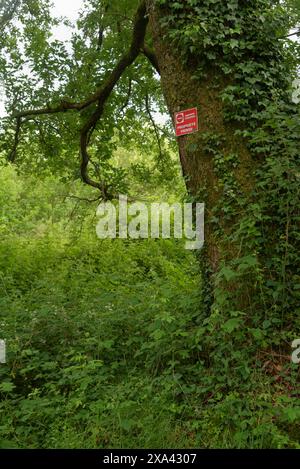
203 181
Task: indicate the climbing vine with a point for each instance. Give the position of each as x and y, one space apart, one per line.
256 292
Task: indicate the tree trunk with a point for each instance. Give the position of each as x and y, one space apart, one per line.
204 179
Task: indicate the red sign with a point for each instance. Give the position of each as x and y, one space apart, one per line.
186 122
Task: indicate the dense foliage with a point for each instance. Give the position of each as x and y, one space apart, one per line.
106 342
238 39
110 341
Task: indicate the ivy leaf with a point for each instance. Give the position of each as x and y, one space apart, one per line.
229 274
231 325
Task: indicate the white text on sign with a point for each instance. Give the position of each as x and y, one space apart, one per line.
186 122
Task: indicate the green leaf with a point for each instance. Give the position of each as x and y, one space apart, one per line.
7 386
231 325
228 273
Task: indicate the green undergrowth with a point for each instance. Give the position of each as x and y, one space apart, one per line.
107 346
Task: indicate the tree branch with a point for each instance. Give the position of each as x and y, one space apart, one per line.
124 106
296 33
150 54
154 125
82 199
138 36
100 96
12 156
64 106
139 31
8 15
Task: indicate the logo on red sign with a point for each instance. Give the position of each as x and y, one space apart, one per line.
186 122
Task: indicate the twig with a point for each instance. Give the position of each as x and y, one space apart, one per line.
290 35
154 125
82 199
128 96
